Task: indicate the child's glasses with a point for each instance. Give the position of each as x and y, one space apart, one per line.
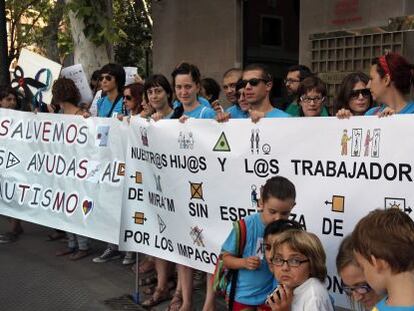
360 289
292 262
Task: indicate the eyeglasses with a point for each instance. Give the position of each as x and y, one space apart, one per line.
290 81
253 82
308 100
364 92
127 97
106 77
292 262
360 289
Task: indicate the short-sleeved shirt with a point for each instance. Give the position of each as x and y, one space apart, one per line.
236 112
311 295
409 108
201 112
104 107
252 286
276 113
382 306
204 102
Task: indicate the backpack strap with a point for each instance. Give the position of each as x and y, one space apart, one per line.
113 105
240 228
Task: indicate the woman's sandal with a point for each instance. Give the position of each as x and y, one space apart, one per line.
149 290
159 295
176 302
148 280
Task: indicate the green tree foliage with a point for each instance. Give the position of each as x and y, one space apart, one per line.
135 47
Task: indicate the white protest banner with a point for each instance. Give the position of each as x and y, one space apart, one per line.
77 75
186 183
35 75
130 73
65 172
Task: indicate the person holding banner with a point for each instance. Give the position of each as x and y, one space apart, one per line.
112 81
391 78
353 95
158 93
186 84
255 281
9 100
66 95
353 281
312 97
258 82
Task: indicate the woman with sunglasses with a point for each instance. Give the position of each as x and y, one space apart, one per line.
135 102
312 98
361 295
112 81
354 95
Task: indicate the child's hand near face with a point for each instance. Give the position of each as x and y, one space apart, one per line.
252 262
281 300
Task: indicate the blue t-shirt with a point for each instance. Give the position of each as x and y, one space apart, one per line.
236 112
382 306
409 108
104 106
201 112
253 286
277 113
204 102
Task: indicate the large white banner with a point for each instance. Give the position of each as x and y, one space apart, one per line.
186 183
64 172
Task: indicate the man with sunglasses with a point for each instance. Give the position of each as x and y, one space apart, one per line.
295 75
258 83
112 81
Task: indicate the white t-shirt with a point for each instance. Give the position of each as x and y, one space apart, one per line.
93 109
311 296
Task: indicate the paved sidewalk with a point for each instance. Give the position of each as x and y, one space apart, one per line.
33 278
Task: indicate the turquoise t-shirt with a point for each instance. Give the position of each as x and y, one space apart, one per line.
204 102
252 286
104 106
236 112
201 112
277 113
382 306
409 108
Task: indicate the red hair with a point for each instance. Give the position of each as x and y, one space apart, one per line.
398 68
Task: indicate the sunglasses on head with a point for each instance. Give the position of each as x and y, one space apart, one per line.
106 77
253 82
364 92
127 97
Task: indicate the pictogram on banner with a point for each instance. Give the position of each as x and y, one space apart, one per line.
139 218
196 190
337 203
222 144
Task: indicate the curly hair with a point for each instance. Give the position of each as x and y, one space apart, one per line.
65 90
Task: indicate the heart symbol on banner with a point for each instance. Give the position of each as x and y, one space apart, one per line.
87 206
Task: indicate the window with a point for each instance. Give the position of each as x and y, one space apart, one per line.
271 31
